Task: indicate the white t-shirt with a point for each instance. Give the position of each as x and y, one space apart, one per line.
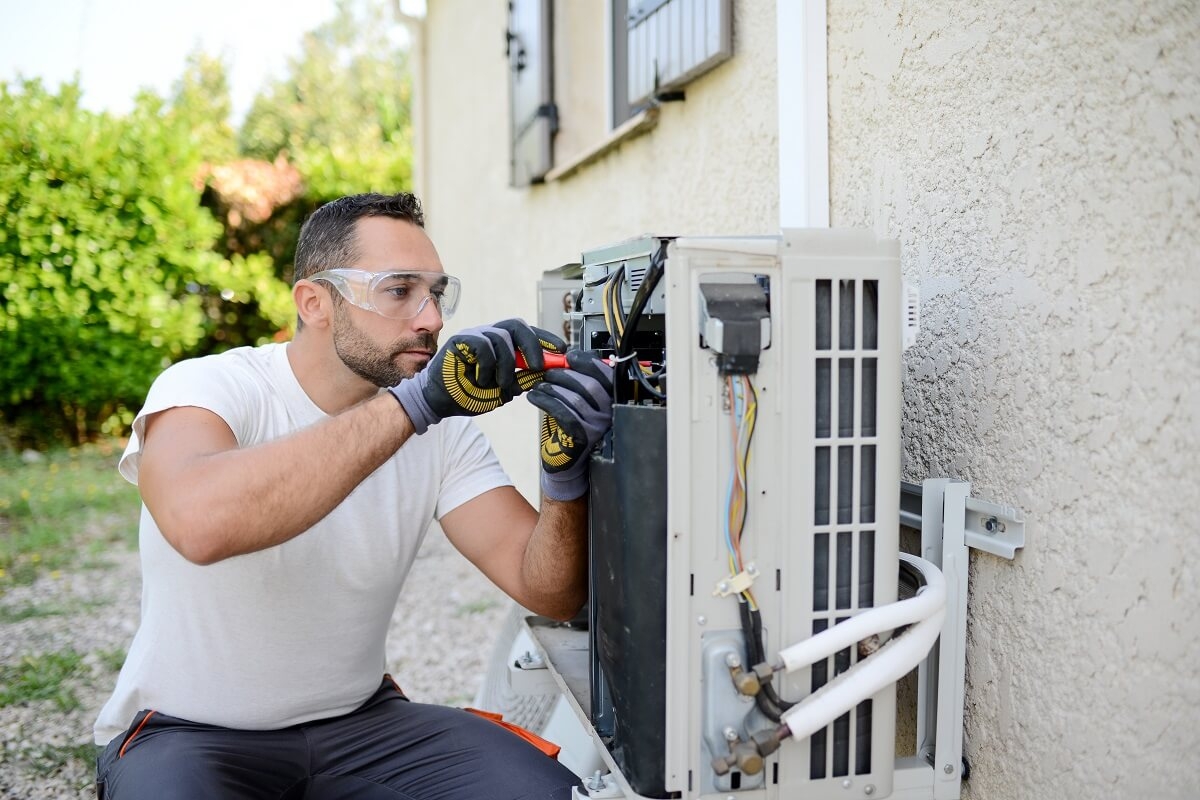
295 632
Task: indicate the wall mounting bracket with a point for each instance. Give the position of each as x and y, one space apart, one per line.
990 527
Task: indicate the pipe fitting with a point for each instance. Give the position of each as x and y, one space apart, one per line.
747 683
749 760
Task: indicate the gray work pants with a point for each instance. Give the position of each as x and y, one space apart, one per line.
389 748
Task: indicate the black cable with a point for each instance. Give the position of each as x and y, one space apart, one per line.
649 283
635 371
768 704
767 689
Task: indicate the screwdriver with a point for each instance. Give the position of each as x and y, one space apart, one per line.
559 360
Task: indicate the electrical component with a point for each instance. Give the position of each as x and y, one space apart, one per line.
735 322
734 584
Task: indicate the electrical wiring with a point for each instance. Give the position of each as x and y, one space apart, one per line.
636 372
650 281
743 411
743 415
610 302
621 327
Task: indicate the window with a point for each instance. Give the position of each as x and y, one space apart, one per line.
533 117
670 42
579 71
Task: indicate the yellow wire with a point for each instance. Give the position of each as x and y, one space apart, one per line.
613 290
605 304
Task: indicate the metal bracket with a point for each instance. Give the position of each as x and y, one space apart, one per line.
990 527
528 675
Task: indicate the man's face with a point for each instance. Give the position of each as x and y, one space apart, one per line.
380 350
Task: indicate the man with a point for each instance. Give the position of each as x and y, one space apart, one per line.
286 490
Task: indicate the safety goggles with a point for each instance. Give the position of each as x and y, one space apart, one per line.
396 294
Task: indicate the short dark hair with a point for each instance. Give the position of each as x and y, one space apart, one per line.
327 238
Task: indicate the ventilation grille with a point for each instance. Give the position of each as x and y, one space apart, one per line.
634 275
843 557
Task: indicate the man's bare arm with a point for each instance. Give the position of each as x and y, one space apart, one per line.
540 560
213 500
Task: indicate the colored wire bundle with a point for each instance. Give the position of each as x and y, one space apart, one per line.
743 412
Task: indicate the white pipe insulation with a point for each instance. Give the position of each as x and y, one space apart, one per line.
885 618
889 664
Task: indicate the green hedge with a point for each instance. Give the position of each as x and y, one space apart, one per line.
106 256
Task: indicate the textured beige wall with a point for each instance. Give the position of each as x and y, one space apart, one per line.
1040 163
709 166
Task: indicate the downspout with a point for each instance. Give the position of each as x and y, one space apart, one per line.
417 115
803 80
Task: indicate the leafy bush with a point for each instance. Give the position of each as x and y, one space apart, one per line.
119 256
105 254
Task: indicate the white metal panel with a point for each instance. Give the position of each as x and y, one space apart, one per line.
781 532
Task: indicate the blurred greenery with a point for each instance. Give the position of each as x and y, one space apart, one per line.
342 113
51 506
49 676
128 242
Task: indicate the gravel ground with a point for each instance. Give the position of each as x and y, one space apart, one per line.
440 641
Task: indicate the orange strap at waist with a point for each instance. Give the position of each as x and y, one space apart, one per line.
549 748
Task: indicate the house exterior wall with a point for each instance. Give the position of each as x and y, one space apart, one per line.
708 166
1040 164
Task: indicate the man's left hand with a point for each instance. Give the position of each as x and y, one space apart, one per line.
578 406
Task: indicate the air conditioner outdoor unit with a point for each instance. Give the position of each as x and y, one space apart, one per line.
750 609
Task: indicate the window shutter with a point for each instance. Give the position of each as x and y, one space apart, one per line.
670 42
533 116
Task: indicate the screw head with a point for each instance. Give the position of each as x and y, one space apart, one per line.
869 789
948 769
846 784
732 660
701 620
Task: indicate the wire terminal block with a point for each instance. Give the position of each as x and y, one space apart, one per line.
734 584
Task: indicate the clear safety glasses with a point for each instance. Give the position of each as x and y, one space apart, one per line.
396 294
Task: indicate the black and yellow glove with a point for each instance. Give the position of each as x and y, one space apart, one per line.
578 406
475 371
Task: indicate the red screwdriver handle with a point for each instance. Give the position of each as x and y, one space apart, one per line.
558 360
553 360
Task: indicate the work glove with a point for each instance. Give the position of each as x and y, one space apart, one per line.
475 371
578 406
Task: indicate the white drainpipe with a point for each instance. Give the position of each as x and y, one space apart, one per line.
803 114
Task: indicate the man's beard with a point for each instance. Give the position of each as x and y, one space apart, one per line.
369 361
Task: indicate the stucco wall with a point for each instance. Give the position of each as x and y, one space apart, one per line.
1040 163
709 166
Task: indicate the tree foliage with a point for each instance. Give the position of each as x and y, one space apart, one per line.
201 100
341 114
121 250
102 235
104 252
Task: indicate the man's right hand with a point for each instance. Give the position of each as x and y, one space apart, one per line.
475 371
